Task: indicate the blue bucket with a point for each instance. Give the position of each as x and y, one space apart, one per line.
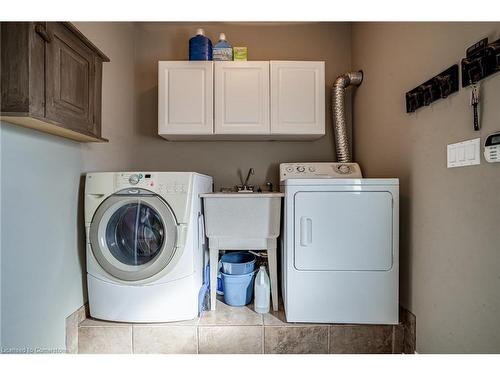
238 289
238 263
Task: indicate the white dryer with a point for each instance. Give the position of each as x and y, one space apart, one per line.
340 257
145 244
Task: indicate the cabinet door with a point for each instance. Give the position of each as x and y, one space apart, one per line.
242 97
70 80
297 97
185 97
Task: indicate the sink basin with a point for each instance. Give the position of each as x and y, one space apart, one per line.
236 218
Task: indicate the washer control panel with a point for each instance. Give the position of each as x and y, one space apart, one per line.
319 170
151 182
173 188
136 179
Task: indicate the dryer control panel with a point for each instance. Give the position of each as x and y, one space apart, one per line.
319 170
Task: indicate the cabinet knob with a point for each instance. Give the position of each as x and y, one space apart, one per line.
42 31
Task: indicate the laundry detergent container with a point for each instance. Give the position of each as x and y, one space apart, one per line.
238 289
238 263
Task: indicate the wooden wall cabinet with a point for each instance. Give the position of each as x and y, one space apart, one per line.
51 79
241 100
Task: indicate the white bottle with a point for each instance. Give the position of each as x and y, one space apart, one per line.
262 291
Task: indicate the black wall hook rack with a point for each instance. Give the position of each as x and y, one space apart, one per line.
438 87
482 60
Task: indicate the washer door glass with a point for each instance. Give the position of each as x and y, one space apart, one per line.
133 237
135 233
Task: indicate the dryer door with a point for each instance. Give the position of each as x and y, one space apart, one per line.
343 231
133 235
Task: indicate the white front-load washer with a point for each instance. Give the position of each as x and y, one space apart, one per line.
145 244
340 257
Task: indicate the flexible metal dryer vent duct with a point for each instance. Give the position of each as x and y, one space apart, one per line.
338 103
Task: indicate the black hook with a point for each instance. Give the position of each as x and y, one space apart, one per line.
440 86
427 94
444 85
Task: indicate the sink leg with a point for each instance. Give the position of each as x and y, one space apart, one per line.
214 262
273 271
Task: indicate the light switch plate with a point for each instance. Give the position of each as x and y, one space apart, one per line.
464 153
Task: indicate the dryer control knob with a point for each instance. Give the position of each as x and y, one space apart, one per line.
344 169
133 179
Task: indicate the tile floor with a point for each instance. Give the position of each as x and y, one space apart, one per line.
237 330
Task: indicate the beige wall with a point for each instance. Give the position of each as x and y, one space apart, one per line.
450 235
222 160
131 124
117 41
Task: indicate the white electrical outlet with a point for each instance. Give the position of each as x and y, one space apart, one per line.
464 153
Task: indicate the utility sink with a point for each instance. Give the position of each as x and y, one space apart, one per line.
243 221
234 216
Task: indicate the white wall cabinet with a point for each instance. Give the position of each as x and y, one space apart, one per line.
298 97
185 97
242 97
241 100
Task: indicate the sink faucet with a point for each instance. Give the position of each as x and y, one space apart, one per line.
245 188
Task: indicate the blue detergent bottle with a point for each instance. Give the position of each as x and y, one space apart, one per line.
200 47
222 50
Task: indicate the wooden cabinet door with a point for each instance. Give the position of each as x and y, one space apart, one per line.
298 97
242 97
70 80
185 97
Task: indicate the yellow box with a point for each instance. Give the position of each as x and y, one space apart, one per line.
240 53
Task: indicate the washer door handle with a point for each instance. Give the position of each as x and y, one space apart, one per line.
305 231
95 196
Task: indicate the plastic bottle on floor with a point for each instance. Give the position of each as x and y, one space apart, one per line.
262 291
